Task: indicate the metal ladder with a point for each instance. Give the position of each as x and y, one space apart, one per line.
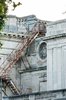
9 82
7 65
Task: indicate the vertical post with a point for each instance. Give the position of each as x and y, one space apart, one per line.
0 89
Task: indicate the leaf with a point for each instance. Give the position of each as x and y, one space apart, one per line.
4 8
15 5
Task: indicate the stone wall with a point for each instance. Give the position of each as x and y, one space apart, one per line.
32 82
34 53
56 62
57 27
50 95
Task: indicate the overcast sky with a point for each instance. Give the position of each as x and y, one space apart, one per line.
43 9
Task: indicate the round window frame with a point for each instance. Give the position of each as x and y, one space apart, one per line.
38 51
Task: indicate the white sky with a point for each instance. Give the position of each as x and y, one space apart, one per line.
43 9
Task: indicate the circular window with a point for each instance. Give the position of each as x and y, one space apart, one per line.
43 50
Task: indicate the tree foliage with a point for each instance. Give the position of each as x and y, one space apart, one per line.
4 8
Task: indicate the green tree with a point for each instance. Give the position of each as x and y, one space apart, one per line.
4 9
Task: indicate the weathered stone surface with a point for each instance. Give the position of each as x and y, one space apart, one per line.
56 55
56 28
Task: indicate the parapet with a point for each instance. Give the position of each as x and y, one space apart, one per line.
56 28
